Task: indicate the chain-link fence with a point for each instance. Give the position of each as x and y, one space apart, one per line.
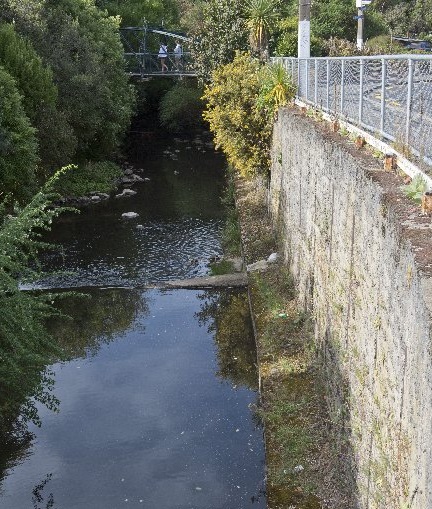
389 96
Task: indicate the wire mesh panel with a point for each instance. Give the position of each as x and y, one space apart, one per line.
391 96
335 86
351 92
420 127
372 77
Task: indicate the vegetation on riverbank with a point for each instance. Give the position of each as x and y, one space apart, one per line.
302 460
25 346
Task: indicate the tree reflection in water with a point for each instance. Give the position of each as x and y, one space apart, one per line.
38 497
226 314
87 323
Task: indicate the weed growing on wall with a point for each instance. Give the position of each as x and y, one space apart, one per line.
415 189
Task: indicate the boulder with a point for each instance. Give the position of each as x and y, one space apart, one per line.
129 215
273 258
257 266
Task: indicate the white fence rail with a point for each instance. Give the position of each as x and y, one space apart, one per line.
389 96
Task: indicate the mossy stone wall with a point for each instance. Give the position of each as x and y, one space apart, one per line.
339 220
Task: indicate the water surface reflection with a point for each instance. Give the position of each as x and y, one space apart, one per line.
154 412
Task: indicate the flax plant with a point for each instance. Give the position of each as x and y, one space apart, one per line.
261 15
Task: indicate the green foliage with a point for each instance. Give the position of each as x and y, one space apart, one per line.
241 101
99 176
261 17
181 108
82 46
25 346
287 39
35 83
415 189
137 12
276 89
239 128
223 32
18 144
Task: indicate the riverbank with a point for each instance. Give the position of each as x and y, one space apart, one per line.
305 469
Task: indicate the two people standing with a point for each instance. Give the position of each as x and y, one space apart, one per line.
163 55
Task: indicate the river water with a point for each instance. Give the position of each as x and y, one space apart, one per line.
156 397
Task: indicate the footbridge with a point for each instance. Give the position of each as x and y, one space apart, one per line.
141 53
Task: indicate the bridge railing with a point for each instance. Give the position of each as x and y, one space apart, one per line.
149 64
389 96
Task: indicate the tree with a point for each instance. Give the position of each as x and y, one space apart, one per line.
223 32
18 144
35 82
239 127
82 46
136 12
261 17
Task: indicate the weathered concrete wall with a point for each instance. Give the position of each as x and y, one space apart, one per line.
344 226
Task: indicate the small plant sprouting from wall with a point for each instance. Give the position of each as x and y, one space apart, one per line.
415 189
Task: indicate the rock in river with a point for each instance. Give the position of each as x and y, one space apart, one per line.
129 215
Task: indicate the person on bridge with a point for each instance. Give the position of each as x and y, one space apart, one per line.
178 52
162 55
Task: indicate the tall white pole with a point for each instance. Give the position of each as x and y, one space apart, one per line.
360 25
304 29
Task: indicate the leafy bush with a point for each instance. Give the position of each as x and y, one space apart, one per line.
239 127
18 144
181 108
276 88
25 347
82 180
241 101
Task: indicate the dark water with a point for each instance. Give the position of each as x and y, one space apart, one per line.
154 401
175 235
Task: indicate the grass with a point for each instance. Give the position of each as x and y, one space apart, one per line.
100 176
221 268
302 463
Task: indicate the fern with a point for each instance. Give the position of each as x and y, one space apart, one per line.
25 346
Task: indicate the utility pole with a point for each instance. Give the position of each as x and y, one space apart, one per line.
304 29
360 25
361 7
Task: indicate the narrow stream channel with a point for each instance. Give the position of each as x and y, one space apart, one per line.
155 401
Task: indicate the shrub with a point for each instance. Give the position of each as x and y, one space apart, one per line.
241 101
181 108
25 346
18 144
84 179
240 129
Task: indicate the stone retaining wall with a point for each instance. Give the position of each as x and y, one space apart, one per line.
362 257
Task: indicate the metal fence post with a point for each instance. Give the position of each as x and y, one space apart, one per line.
307 80
316 81
328 84
383 93
342 98
409 100
360 113
298 77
